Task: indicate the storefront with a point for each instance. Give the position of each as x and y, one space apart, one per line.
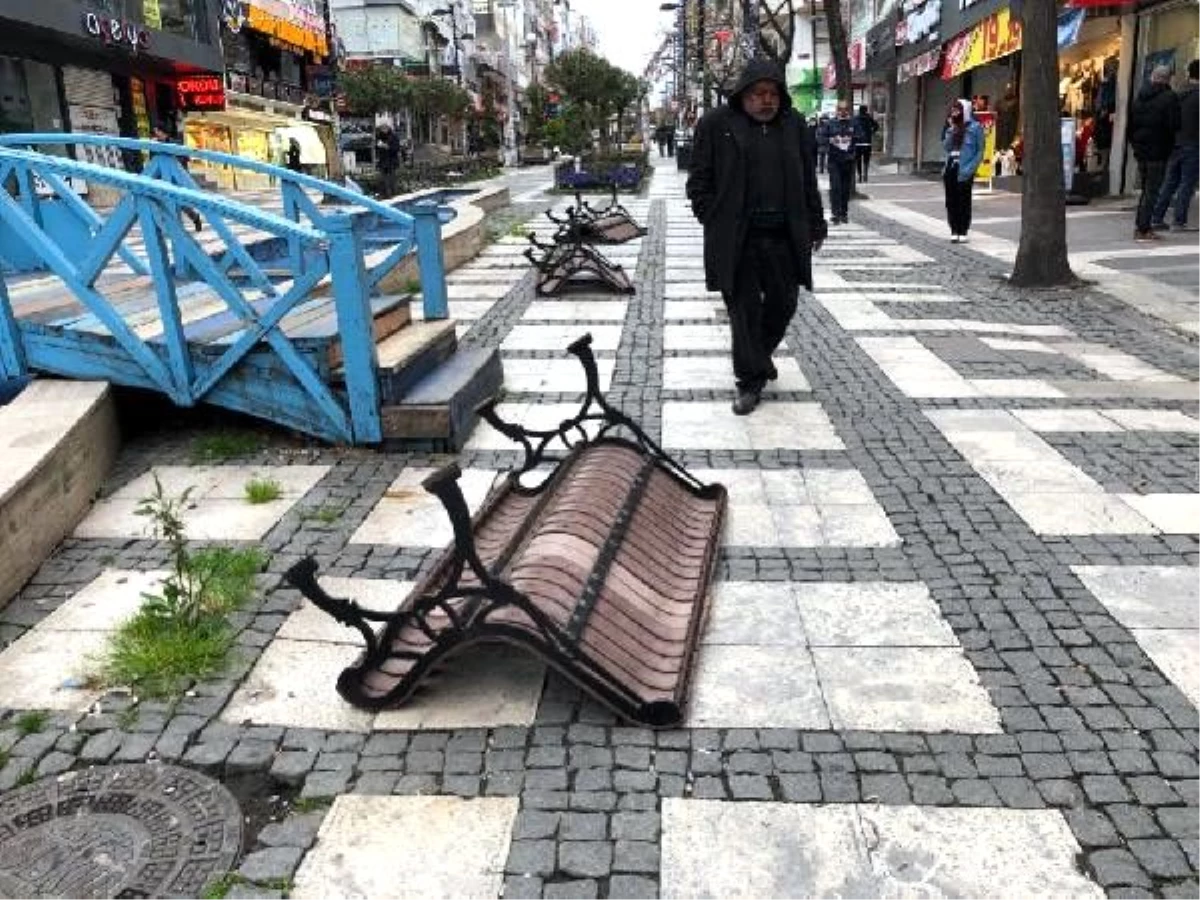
1088 69
274 53
918 53
80 68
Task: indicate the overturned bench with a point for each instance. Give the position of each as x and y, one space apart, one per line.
573 263
602 570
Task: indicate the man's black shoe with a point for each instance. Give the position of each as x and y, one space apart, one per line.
746 403
772 372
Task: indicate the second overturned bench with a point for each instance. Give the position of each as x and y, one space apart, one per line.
602 569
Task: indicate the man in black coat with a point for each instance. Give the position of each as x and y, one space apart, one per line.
1152 125
753 186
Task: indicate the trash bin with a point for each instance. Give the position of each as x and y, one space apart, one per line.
683 155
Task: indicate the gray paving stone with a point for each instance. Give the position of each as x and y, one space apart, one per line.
637 802
463 785
1117 867
671 762
891 789
838 787
100 747
625 780
1092 828
800 788
632 887
636 856
274 863
593 780
335 761
750 787
423 762
344 742
929 790
522 887
54 763
593 801
386 743
546 757
210 755
250 756
509 737
975 792
1133 821
531 858
635 826
1104 789
298 830
709 789
579 889
585 859
1059 792
326 784
584 827
292 766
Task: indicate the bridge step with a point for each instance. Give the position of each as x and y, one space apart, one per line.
411 354
441 407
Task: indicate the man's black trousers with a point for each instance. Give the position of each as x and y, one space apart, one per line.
761 305
841 184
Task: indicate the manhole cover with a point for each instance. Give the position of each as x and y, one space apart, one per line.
147 830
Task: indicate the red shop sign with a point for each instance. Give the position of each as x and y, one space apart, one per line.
200 93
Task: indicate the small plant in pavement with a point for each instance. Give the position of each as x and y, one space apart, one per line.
263 490
33 722
225 445
181 632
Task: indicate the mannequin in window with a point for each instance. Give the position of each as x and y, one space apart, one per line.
1106 110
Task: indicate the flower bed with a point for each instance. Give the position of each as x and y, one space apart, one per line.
626 171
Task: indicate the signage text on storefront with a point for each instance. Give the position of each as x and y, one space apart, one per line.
200 93
288 24
118 32
996 36
919 23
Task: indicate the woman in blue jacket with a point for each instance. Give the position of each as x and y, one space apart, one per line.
963 143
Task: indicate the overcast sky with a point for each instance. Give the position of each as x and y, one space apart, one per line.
629 30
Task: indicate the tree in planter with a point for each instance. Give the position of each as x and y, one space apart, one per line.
840 50
1042 253
537 98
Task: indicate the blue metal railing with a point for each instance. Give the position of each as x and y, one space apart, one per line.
165 162
329 248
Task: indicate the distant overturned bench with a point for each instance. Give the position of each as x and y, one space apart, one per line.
603 570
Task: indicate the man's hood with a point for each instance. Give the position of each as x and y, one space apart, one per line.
1153 89
760 70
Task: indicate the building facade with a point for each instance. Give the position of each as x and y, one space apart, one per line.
104 68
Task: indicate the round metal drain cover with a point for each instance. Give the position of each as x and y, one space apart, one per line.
147 830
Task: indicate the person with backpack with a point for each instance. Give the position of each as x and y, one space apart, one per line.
867 127
962 141
1152 126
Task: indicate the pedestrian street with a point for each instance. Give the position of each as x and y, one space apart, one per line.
953 642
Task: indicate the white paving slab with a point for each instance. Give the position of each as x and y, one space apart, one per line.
1174 651
716 373
409 516
424 848
704 425
1034 478
294 684
1068 420
217 507
488 687
459 291
552 375
1146 596
694 309
687 290
755 686
46 669
535 416
308 623
1154 420
697 337
1169 513
884 659
864 850
605 338
576 311
778 508
104 603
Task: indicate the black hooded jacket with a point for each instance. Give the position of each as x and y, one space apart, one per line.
1153 123
720 186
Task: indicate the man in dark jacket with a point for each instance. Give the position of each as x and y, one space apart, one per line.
1152 126
866 125
843 135
753 185
1183 168
387 145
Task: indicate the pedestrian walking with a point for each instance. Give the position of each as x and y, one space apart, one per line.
864 142
753 186
822 142
841 136
387 158
660 138
962 142
161 135
1152 126
293 155
1183 168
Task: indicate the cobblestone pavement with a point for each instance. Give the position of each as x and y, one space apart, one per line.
953 646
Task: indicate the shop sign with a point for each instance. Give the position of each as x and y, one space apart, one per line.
995 37
1069 24
200 93
987 121
918 65
151 14
317 115
116 32
919 24
289 23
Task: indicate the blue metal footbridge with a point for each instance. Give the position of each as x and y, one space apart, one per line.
274 314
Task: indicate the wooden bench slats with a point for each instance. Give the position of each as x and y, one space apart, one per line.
608 563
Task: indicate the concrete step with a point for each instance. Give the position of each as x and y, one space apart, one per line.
411 354
441 407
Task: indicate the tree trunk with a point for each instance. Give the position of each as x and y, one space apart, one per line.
1042 254
840 49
